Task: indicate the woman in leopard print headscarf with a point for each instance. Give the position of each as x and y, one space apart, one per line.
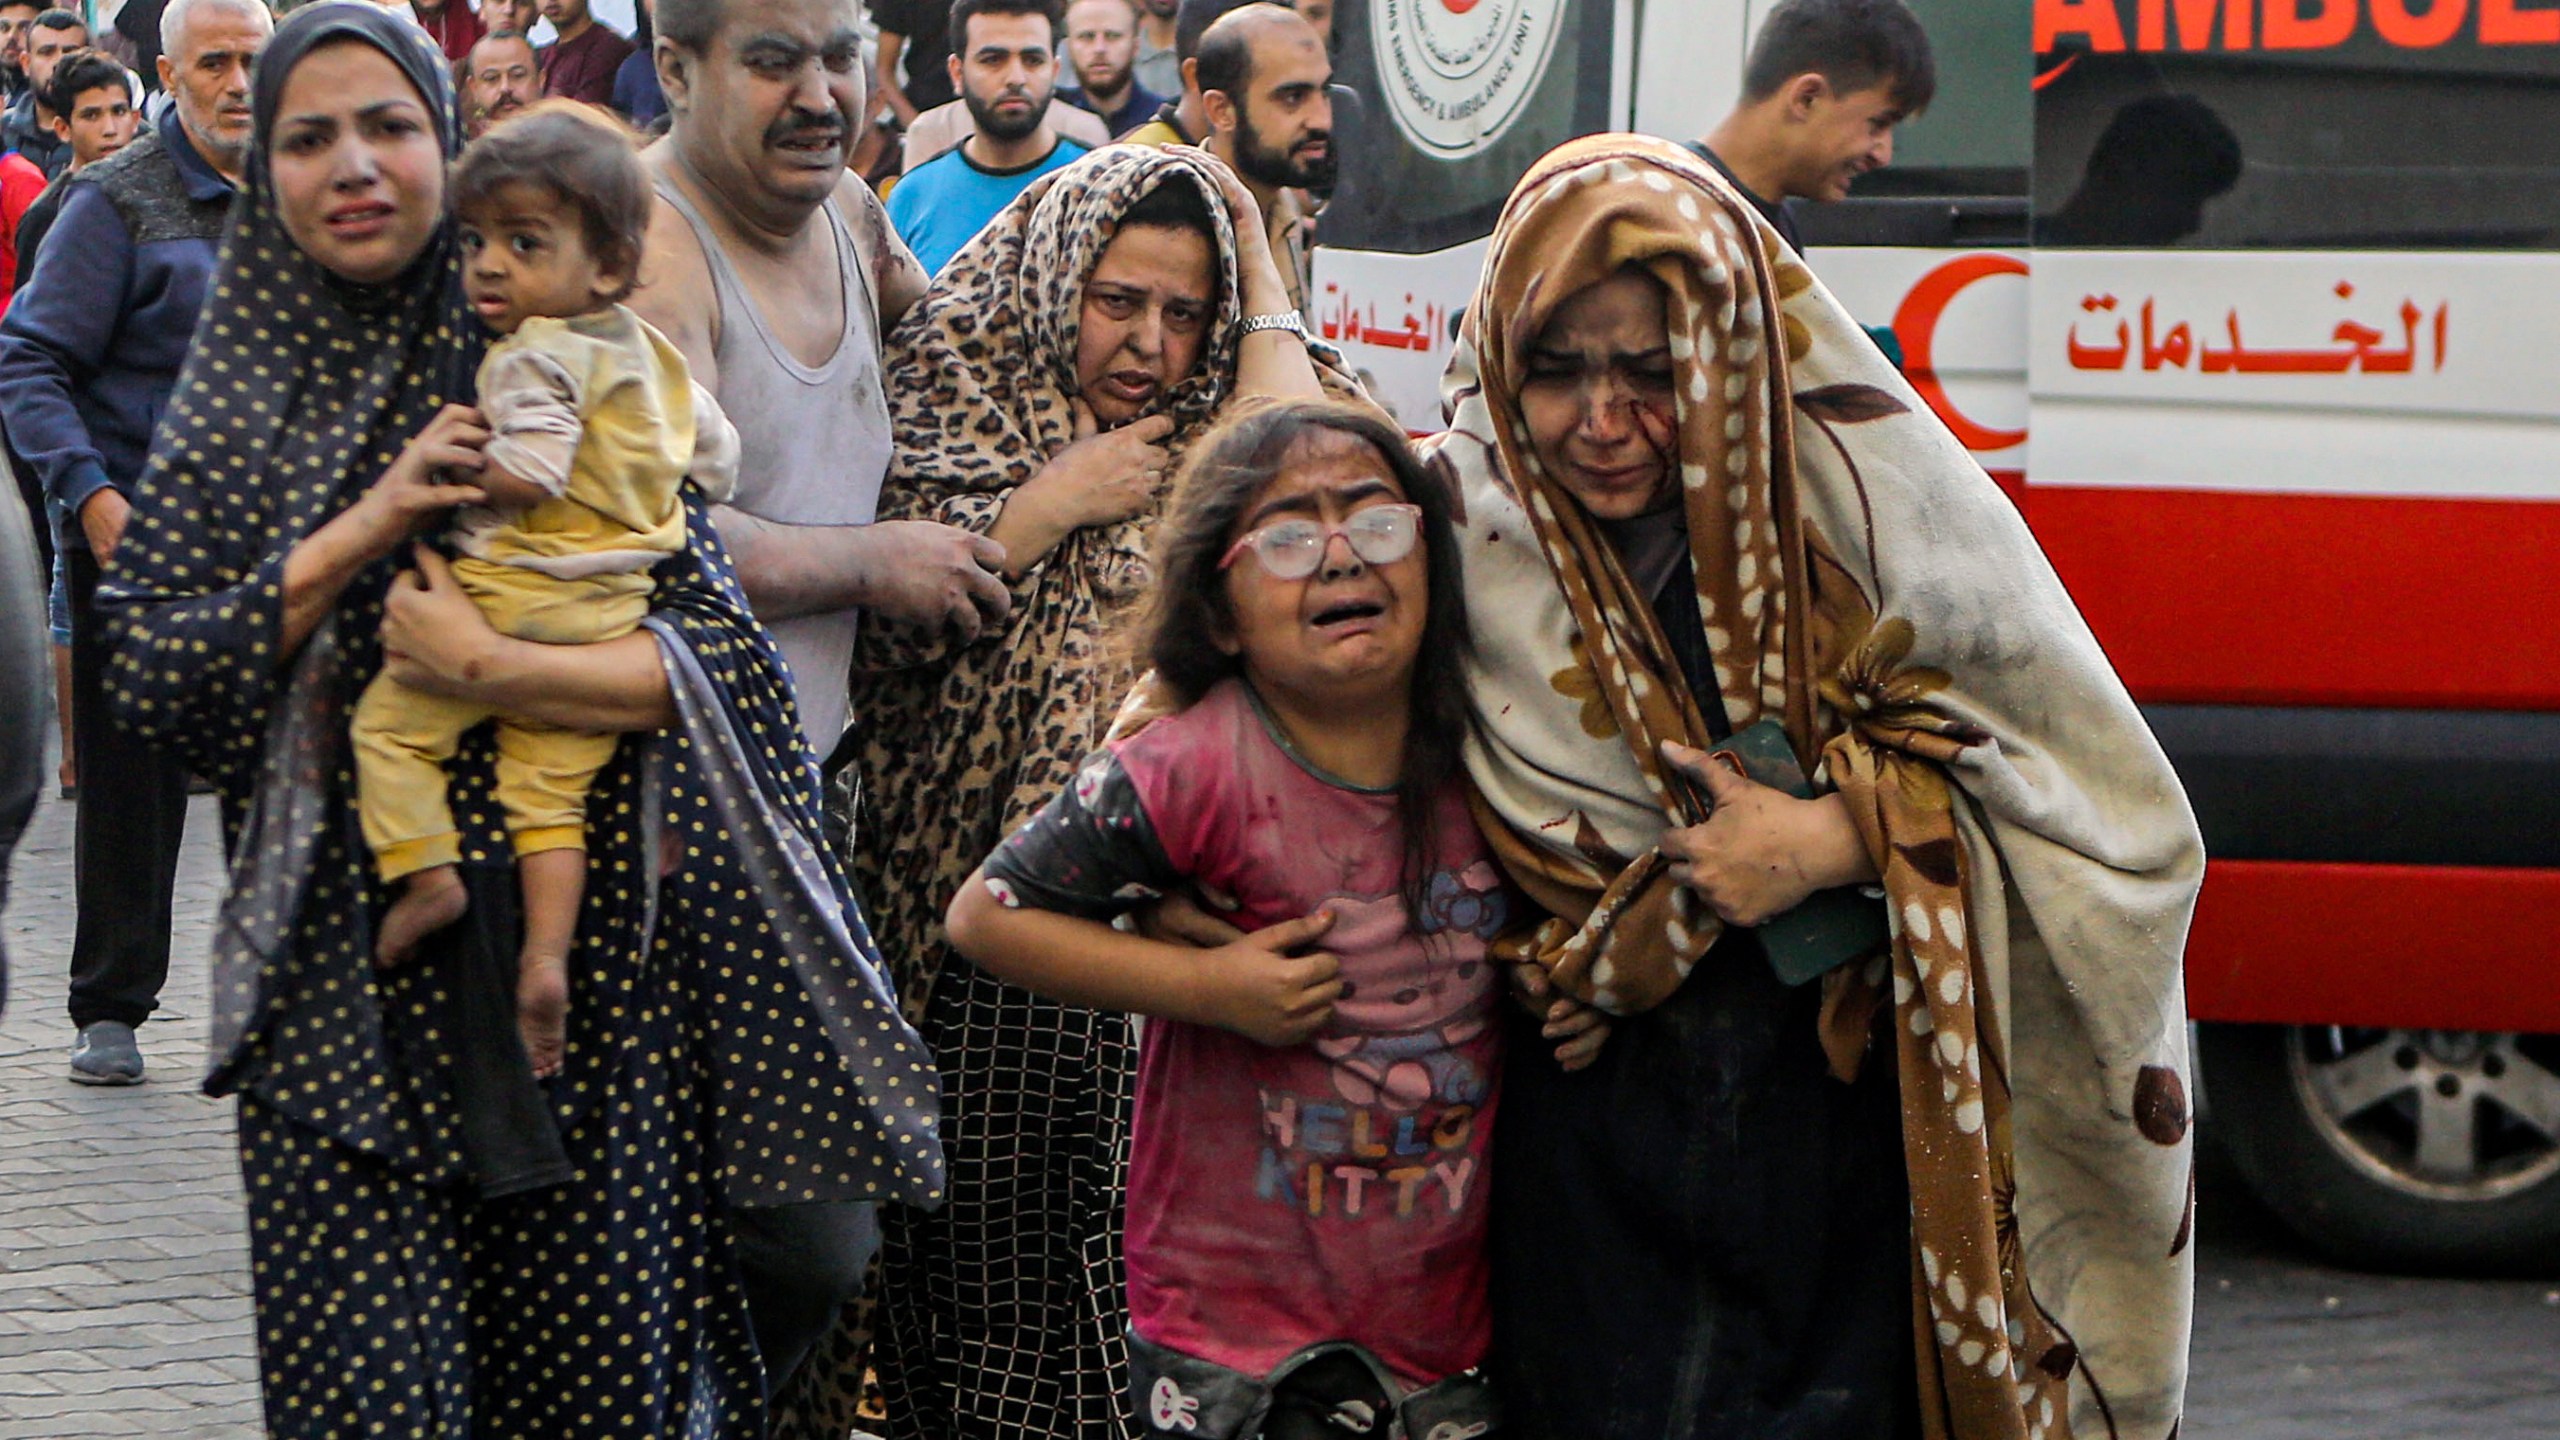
1041 393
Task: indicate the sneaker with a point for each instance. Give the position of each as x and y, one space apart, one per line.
106 1055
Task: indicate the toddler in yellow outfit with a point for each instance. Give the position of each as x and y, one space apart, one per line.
594 423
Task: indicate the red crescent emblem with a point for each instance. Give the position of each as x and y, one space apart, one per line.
1916 324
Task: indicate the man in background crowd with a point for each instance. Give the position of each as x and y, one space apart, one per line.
91 100
1007 71
1182 120
1102 41
1158 67
451 23
27 126
580 65
1259 75
1824 86
88 355
502 77
944 126
16 16
915 35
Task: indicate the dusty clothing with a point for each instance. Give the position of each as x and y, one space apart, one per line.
813 444
1286 1197
601 412
404 738
1858 579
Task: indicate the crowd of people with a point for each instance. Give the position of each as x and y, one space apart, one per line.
910 814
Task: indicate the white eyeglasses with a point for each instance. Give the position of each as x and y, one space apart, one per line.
1294 549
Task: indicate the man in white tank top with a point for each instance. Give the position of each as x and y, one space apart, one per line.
775 271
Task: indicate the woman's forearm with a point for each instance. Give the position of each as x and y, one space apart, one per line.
612 685
1832 853
317 570
1027 530
1273 363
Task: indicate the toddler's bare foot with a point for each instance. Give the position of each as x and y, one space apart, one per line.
542 1010
429 900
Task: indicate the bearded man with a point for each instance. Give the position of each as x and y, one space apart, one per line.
1102 40
1263 74
1005 66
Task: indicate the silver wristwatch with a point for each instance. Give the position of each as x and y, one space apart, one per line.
1277 320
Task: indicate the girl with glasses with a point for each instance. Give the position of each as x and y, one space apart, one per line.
1306 1198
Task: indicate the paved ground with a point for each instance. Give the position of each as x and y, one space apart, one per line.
124 1279
2290 1348
123 1282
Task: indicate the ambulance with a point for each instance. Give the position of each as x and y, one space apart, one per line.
2253 306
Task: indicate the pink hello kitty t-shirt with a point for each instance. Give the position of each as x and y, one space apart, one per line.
1329 1191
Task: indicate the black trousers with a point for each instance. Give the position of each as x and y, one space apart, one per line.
132 816
800 1264
31 490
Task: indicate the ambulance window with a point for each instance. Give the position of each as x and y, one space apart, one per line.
1977 134
1960 170
2361 145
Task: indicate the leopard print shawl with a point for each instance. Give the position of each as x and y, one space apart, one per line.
959 746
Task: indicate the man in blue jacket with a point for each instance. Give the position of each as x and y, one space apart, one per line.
89 352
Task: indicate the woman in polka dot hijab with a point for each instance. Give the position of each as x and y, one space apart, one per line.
1945 1190
439 1246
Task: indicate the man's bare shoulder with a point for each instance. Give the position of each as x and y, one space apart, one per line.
863 211
675 292
897 278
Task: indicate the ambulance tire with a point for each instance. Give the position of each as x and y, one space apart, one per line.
2322 1130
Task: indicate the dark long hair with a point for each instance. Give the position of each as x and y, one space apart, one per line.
1177 634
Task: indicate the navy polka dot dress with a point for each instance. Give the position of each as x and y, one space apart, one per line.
730 1041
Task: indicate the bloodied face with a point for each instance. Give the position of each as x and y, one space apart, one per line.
1596 392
